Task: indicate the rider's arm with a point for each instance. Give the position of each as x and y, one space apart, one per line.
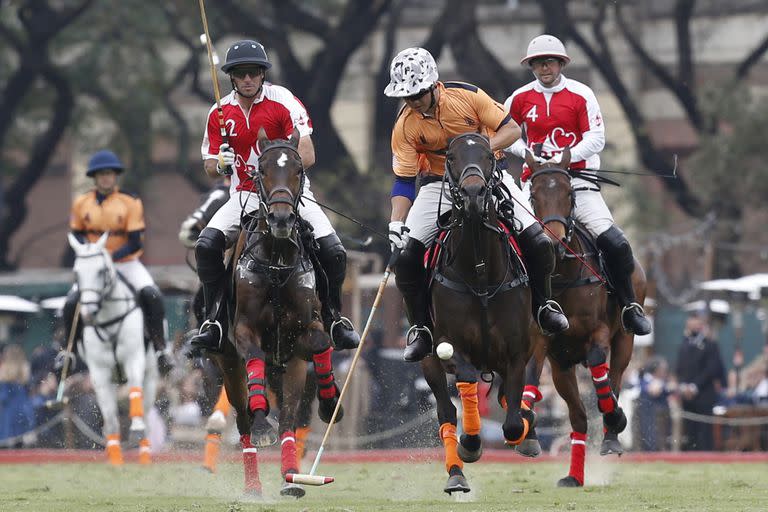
307 151
134 243
506 134
592 128
212 140
493 115
211 167
400 207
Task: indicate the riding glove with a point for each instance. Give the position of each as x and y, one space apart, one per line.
226 160
189 232
398 234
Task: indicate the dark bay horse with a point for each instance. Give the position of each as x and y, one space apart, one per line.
480 305
595 331
277 316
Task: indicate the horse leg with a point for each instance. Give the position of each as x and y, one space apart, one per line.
470 447
615 422
530 447
327 390
262 433
446 416
519 418
292 389
215 425
151 375
567 387
106 396
234 373
304 415
131 355
614 419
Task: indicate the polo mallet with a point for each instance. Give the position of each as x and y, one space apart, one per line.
312 478
60 398
214 77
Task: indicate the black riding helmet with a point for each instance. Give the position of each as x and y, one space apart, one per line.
244 52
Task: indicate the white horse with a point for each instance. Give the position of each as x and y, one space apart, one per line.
113 345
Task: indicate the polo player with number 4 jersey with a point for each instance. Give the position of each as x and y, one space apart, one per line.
559 112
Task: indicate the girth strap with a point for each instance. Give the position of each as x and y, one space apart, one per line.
463 288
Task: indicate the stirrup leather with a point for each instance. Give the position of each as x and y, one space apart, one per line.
412 333
549 305
629 307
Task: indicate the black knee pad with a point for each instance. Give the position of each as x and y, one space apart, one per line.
537 248
617 250
151 300
333 256
409 267
209 252
596 356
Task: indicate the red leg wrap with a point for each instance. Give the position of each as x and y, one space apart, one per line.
531 395
257 397
250 464
578 452
324 373
289 461
606 401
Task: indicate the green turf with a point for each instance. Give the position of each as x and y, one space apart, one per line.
410 486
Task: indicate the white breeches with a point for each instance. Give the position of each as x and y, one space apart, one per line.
135 273
227 218
590 208
422 217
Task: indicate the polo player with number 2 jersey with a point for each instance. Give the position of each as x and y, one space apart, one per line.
106 208
252 105
435 112
558 112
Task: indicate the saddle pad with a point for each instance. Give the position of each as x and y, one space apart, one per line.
432 256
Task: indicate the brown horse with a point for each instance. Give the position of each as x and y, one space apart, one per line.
276 320
480 306
594 316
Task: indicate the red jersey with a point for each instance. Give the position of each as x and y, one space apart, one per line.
276 110
566 115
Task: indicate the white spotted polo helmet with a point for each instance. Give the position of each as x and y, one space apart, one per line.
412 70
545 46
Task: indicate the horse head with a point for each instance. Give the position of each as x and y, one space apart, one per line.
94 272
551 194
469 165
281 180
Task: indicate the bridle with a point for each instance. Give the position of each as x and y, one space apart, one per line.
568 221
470 169
109 281
280 194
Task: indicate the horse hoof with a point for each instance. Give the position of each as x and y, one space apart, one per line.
470 448
569 481
325 408
136 435
611 445
615 421
293 490
262 432
456 483
252 494
529 448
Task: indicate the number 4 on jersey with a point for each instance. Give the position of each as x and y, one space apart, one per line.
532 115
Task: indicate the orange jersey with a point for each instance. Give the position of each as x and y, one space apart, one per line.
119 213
419 143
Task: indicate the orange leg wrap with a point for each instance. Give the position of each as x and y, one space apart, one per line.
223 403
211 454
145 456
448 436
301 440
135 402
526 428
114 453
470 415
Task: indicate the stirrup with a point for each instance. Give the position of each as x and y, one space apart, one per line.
549 305
628 307
206 326
343 321
410 336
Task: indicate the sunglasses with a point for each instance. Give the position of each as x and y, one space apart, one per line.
418 95
242 72
548 61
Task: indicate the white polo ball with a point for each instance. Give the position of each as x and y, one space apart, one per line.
444 351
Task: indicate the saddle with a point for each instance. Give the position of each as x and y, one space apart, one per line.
588 249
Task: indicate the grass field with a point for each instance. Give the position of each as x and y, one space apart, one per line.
408 486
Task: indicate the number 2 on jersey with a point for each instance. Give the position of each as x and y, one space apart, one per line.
532 115
231 127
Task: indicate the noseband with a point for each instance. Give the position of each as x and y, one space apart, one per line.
469 170
268 200
109 282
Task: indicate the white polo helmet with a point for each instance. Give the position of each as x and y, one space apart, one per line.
545 46
412 70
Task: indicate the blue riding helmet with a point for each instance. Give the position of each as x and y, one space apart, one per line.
104 159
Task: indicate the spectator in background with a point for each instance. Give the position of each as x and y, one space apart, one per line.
16 414
701 376
652 405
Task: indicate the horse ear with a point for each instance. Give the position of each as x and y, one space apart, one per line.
102 241
529 161
74 243
262 139
565 160
293 140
